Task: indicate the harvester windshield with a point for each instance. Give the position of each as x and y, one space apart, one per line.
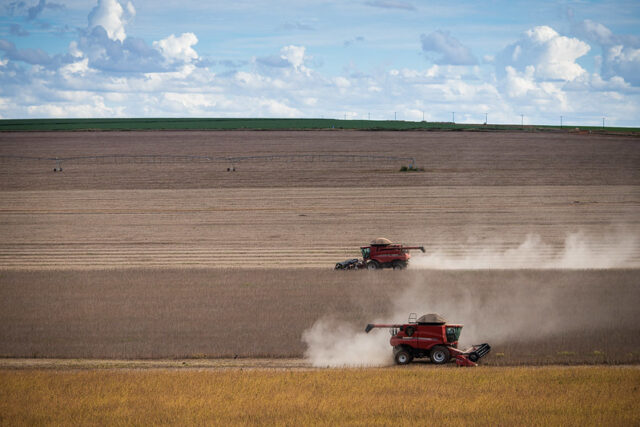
365 253
453 333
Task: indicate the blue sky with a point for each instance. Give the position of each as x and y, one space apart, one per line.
355 59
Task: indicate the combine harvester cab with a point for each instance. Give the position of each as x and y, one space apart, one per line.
430 336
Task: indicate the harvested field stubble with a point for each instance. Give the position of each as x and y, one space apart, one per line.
485 159
478 191
238 263
483 396
529 317
303 227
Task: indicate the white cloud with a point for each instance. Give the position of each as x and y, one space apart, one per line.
295 56
74 51
620 54
622 61
112 56
191 102
290 58
107 73
544 96
79 67
161 81
80 106
615 83
276 108
110 15
551 55
253 80
130 9
257 81
451 50
178 49
519 85
341 82
310 101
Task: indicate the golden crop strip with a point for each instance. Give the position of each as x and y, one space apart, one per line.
398 396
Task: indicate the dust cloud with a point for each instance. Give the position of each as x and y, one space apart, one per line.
493 315
579 251
334 343
529 309
495 307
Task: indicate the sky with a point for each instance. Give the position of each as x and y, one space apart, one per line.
503 61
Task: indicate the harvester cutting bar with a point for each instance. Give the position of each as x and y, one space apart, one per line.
470 356
481 350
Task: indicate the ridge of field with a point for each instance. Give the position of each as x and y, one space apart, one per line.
403 396
277 124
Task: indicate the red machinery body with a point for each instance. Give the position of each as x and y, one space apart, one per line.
430 336
387 255
381 253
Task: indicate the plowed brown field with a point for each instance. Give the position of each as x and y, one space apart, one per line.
478 191
479 194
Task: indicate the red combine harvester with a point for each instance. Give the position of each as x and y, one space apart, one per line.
380 254
430 336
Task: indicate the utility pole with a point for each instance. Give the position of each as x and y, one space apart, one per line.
522 120
395 115
423 116
486 115
603 123
453 117
369 116
560 122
